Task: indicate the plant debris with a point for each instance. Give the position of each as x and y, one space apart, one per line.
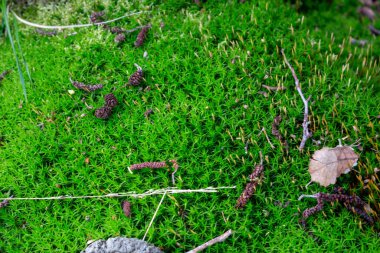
155 165
353 203
361 43
4 74
373 30
105 112
5 202
86 87
46 33
142 36
276 132
136 78
119 38
306 133
250 188
126 206
220 238
367 12
327 164
148 113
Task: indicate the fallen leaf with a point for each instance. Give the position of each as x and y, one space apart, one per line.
327 164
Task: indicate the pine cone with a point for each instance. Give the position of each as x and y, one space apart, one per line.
94 18
119 38
142 36
103 112
110 100
136 78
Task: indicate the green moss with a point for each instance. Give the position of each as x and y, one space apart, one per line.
205 67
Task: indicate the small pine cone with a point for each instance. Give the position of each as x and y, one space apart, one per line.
94 18
110 100
142 36
103 112
126 206
136 78
119 38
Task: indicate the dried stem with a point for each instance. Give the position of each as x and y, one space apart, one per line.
154 215
6 72
306 133
352 203
273 88
266 136
171 190
220 238
276 132
72 26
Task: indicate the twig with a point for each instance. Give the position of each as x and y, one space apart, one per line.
154 215
46 33
175 166
273 88
352 203
171 190
361 43
266 135
373 30
220 238
73 26
306 133
277 134
6 72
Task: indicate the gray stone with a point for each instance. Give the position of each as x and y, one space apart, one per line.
121 245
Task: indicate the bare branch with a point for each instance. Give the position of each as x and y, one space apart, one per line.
306 133
171 190
266 136
220 238
154 215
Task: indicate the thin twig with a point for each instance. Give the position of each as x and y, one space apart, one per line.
171 190
266 135
306 133
273 88
72 26
220 238
154 215
175 166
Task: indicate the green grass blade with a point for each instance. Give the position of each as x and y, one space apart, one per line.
20 49
6 21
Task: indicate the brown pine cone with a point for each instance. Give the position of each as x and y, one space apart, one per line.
142 36
110 100
94 18
119 38
136 78
103 112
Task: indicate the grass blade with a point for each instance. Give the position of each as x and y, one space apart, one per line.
20 50
6 21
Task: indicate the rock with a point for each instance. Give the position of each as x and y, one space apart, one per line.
121 245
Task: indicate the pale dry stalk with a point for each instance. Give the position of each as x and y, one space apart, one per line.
220 238
306 133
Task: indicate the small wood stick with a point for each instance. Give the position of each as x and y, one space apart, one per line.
152 165
220 238
266 136
154 215
273 88
6 72
175 166
306 133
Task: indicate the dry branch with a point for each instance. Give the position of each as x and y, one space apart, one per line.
154 215
171 190
273 88
306 133
6 72
220 238
276 132
352 203
373 30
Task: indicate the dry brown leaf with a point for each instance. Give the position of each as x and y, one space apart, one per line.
327 164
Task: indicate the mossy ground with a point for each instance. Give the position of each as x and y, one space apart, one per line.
205 67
